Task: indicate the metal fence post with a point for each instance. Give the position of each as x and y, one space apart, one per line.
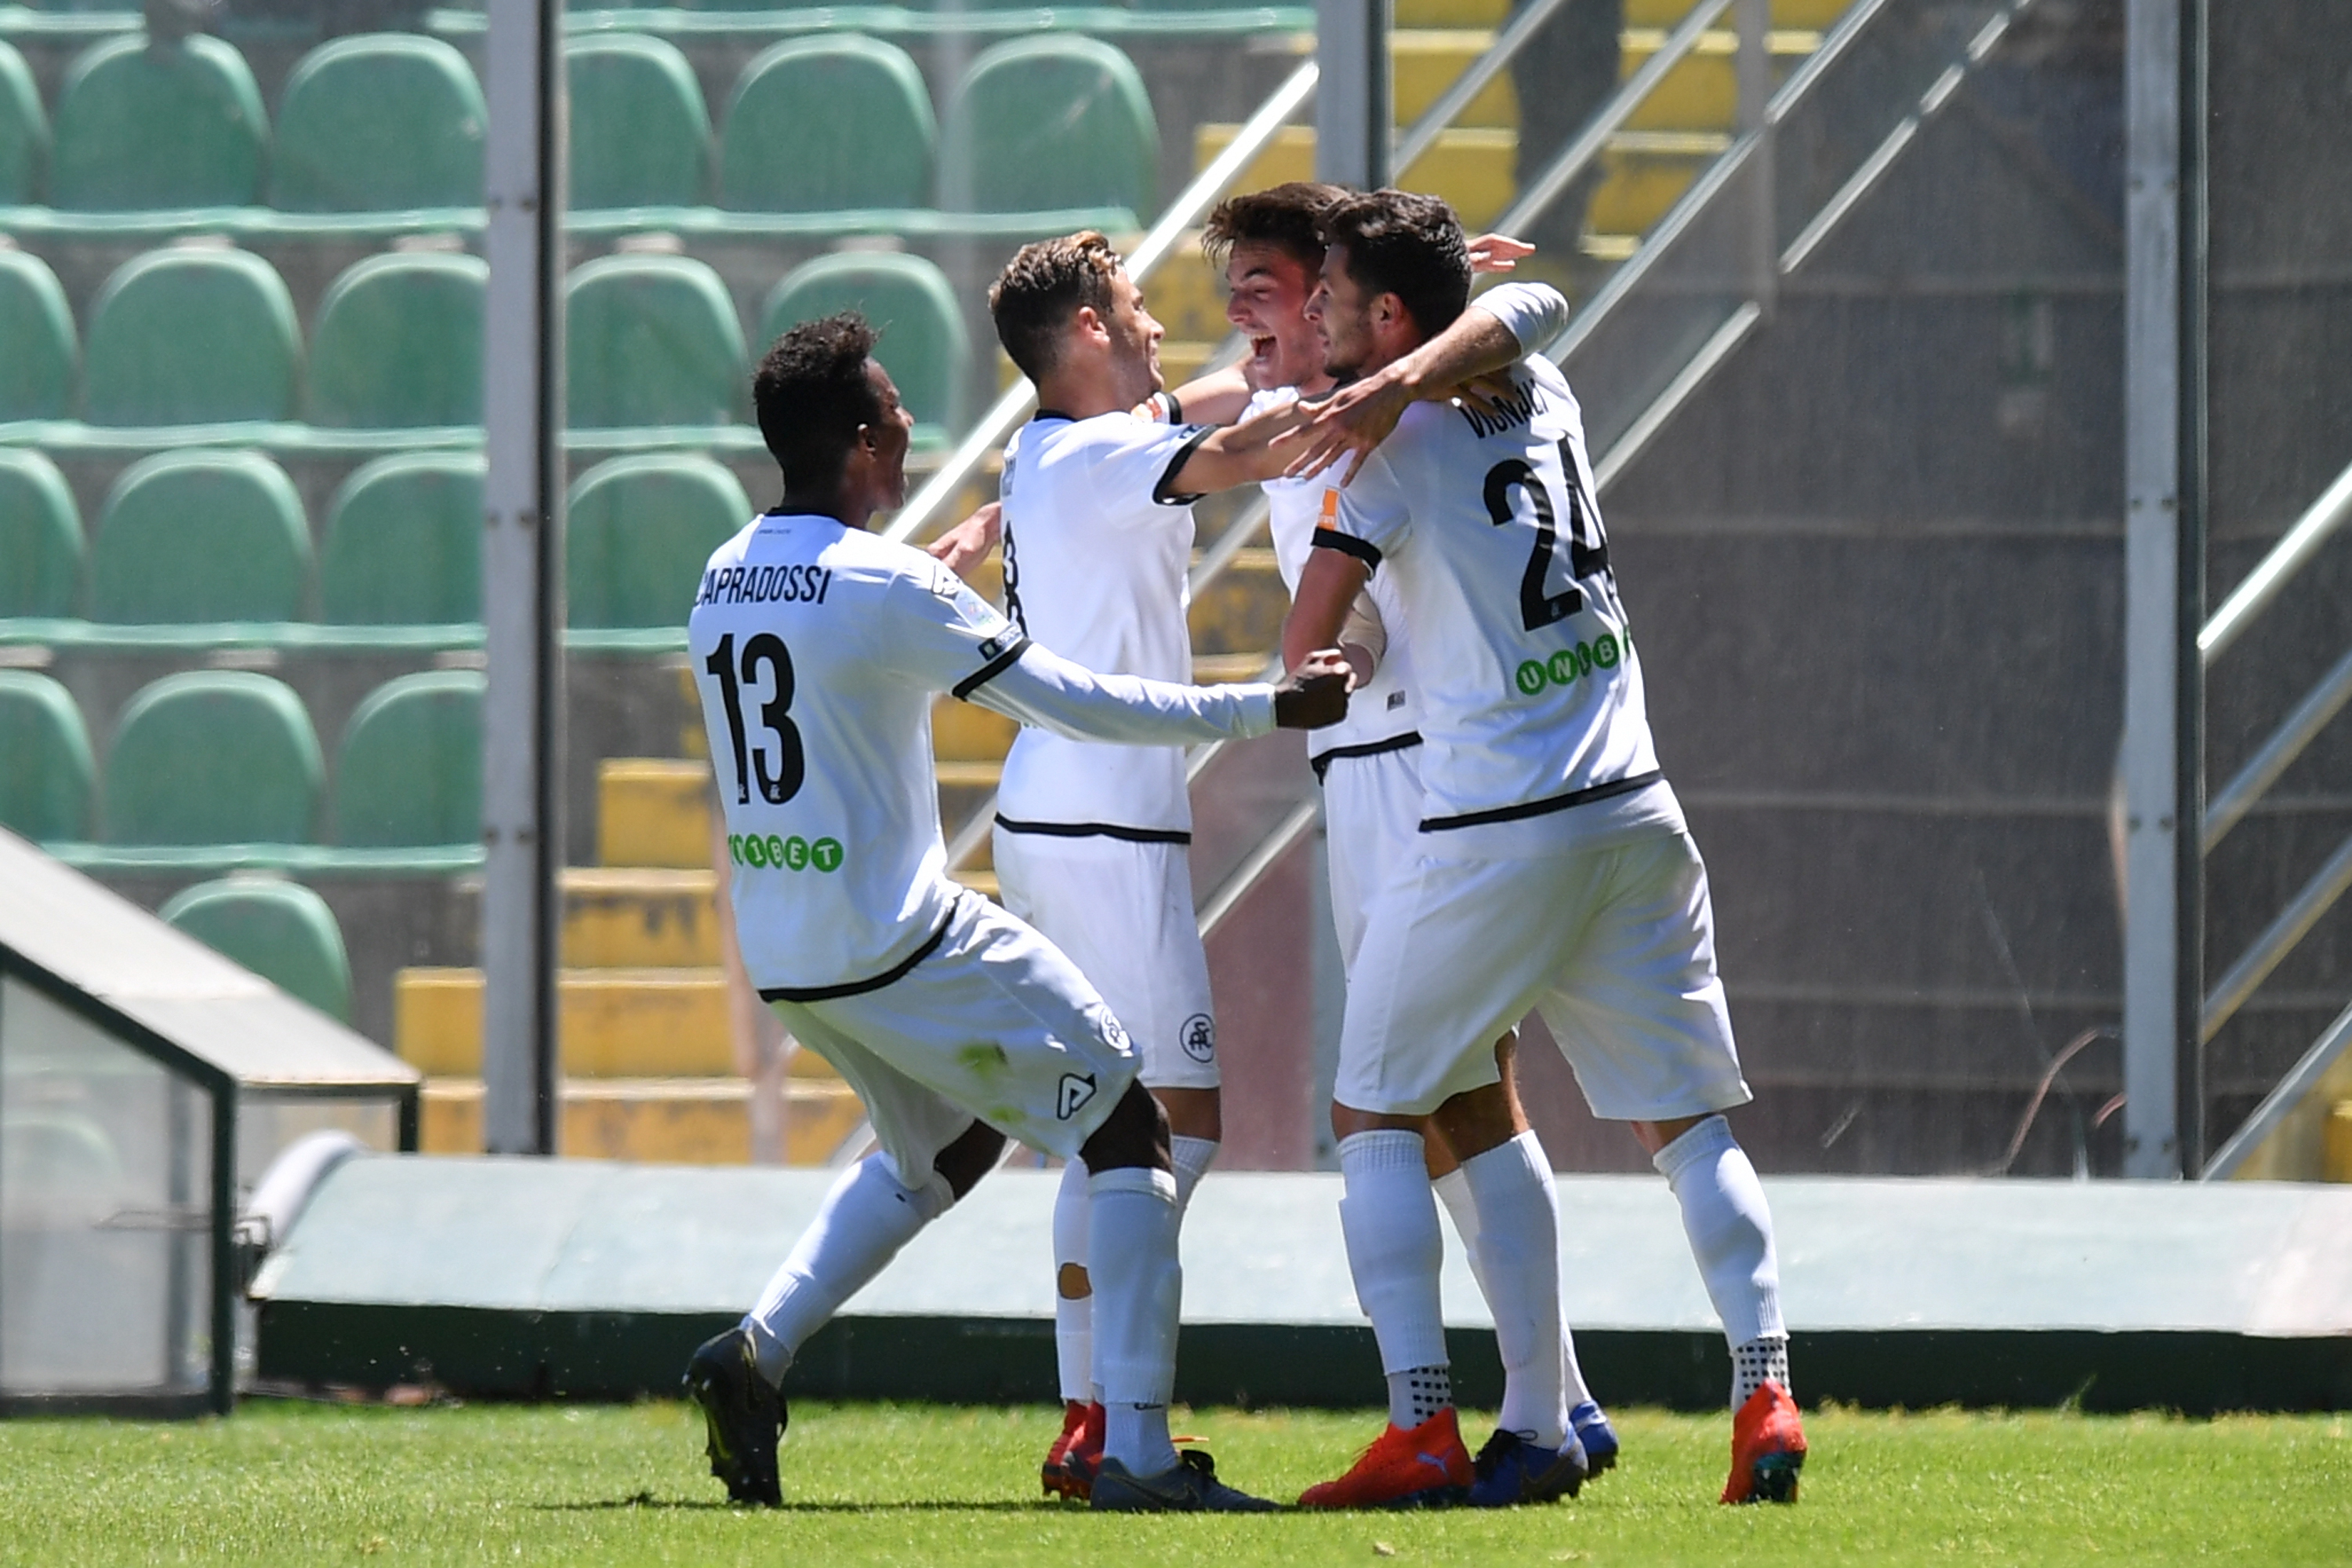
1354 110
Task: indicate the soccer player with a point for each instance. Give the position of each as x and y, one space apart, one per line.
1555 869
819 650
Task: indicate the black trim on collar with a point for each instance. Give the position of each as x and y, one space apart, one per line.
1045 414
1363 550
897 972
963 689
1544 807
1161 495
1095 830
1322 760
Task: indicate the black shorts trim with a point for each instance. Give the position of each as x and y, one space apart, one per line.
1363 550
1544 807
1161 494
1097 830
897 972
1322 761
988 671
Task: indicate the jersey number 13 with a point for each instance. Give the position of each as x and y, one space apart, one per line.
775 716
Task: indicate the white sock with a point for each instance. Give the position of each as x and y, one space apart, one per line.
1730 1226
1455 1188
1192 1157
1518 1245
1418 1394
1758 1362
1394 1248
1138 1293
867 1217
1074 1316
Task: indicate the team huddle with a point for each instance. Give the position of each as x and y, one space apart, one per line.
1501 838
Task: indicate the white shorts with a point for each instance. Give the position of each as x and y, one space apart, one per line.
1123 913
1614 945
1371 822
993 1023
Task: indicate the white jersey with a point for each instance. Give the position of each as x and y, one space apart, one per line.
1531 690
818 650
1097 551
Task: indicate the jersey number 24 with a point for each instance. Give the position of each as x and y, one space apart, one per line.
775 716
1586 556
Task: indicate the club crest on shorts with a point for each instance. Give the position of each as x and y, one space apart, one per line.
1199 1037
1075 1091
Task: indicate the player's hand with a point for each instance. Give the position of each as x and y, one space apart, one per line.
1487 393
1316 693
967 544
1497 253
1348 424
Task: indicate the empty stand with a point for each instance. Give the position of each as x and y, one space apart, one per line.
637 533
640 133
650 341
925 345
211 757
403 543
143 125
201 536
36 326
281 930
829 123
409 774
382 122
23 131
40 537
191 336
45 762
398 342
1098 146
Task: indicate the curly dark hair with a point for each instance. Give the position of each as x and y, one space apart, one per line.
1406 245
1287 217
1042 287
812 394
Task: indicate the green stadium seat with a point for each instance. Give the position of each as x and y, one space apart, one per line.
212 756
653 340
37 325
200 536
404 543
382 122
639 531
640 133
410 770
827 123
40 537
398 343
280 929
44 767
191 336
142 126
1098 147
925 345
24 131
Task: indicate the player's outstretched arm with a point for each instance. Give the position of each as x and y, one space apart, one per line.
1044 689
967 543
1493 334
1241 454
1216 398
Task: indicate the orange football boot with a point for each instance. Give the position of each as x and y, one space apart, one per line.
1768 1449
1070 1464
1424 1468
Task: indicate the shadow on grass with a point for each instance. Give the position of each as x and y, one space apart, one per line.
917 1505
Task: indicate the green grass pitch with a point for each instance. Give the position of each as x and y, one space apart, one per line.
912 1484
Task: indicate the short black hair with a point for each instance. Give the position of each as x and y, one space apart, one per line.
812 393
1287 218
1033 299
1406 245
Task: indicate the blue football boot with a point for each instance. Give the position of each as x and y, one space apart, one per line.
1592 1427
1510 1470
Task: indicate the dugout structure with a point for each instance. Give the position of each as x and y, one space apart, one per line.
146 1082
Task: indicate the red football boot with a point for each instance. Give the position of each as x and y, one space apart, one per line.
1424 1468
1070 1464
1768 1449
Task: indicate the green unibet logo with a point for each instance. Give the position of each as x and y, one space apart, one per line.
1564 666
793 854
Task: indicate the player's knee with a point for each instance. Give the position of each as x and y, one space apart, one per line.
972 1155
1134 1136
